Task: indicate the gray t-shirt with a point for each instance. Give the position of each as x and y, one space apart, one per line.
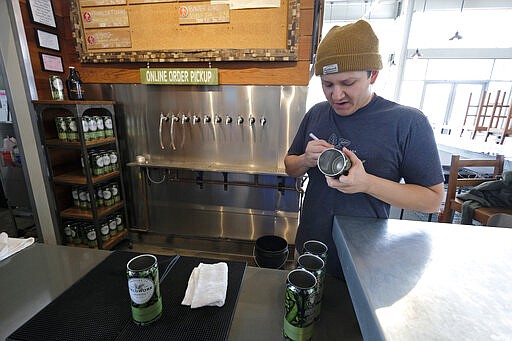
394 141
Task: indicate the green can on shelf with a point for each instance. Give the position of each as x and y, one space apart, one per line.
105 231
92 240
109 129
60 123
119 222
100 133
112 224
71 129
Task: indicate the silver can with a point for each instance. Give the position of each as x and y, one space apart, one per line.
56 87
299 305
333 162
315 265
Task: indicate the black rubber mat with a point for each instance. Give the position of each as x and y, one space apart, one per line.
97 307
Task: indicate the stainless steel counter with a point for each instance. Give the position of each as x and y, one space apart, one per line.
32 278
413 280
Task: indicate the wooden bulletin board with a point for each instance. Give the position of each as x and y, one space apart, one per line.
113 31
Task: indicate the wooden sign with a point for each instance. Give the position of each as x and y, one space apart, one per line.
194 76
203 14
89 3
106 39
102 17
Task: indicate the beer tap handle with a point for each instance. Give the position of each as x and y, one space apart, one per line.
218 119
206 119
263 121
163 118
229 119
240 120
252 120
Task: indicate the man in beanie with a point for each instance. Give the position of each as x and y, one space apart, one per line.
385 142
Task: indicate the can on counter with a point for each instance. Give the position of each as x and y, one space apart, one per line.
56 87
317 248
315 265
60 123
144 289
299 305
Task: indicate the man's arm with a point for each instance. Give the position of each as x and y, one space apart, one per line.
298 165
407 196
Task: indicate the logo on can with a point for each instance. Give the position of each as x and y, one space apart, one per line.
299 305
144 289
57 87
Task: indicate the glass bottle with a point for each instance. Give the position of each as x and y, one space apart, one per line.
74 85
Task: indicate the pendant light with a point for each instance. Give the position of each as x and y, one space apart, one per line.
417 54
457 35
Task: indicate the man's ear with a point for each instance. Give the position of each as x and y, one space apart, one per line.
373 76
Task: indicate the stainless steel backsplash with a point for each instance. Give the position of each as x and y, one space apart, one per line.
205 175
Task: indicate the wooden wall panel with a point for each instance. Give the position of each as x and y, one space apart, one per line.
230 73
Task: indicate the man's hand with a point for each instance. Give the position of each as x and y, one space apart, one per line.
313 151
355 181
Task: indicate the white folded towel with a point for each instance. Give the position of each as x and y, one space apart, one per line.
9 246
207 286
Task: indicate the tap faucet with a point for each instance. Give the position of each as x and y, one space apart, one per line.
184 119
195 119
240 120
206 119
175 118
263 120
229 119
252 120
218 119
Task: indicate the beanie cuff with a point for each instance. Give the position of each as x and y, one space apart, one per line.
344 63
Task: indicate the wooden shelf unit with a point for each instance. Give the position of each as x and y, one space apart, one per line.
67 170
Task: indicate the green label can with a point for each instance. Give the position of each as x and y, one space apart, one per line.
71 129
299 305
144 289
60 123
315 265
57 87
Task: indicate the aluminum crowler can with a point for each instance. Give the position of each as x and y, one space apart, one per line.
315 265
299 305
56 87
144 288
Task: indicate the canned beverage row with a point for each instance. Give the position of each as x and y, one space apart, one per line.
102 161
93 127
79 232
104 194
304 291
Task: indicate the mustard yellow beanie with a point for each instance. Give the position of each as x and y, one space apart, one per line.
353 47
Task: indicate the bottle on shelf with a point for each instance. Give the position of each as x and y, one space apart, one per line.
74 85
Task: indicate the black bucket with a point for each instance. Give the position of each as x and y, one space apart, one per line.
270 252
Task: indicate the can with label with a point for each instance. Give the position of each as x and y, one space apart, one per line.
112 225
116 195
315 265
109 129
97 163
85 128
76 232
93 128
100 133
74 194
56 87
99 196
144 289
92 240
119 222
108 200
71 129
68 233
317 248
113 160
82 196
299 305
107 168
60 123
105 231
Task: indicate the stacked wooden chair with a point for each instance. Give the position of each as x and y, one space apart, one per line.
488 116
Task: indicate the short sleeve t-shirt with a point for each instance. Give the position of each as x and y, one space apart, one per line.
394 141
